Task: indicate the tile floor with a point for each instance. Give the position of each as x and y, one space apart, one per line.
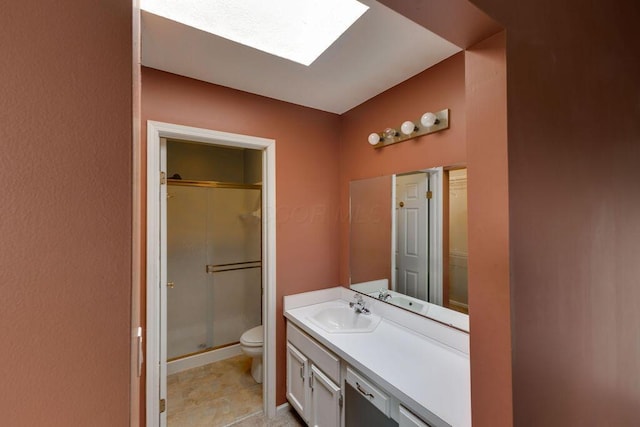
220 394
288 418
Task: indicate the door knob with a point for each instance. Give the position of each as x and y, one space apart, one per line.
171 285
402 204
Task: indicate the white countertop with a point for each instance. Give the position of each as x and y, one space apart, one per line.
428 376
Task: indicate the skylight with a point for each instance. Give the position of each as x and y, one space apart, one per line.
298 30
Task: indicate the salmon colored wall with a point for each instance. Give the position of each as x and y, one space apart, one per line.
65 168
137 265
439 87
488 233
574 150
306 174
370 219
457 21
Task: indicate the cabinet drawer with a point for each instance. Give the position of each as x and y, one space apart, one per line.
376 397
328 362
407 419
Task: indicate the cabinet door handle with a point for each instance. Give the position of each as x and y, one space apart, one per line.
311 380
302 372
363 391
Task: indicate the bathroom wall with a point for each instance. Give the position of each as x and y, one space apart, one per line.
307 214
201 162
488 233
65 168
370 217
574 209
439 87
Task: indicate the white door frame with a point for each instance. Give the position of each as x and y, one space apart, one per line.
436 268
156 368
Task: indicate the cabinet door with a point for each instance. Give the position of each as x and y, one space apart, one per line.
325 400
297 373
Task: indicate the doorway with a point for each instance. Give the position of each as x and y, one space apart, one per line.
158 281
213 236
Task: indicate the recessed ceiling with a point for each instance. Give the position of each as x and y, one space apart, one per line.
382 49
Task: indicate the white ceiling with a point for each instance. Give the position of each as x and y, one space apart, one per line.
382 49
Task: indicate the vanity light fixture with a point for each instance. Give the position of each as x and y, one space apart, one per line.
428 123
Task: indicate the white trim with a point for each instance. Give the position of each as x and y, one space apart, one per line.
155 131
285 407
201 359
394 243
435 236
153 278
269 276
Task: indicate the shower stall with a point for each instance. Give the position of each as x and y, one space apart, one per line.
214 269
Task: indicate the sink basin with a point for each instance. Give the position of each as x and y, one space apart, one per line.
343 319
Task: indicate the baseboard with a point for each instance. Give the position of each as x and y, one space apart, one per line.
202 359
282 408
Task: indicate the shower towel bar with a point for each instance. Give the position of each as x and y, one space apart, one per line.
218 268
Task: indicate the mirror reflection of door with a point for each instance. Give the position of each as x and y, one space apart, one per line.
412 239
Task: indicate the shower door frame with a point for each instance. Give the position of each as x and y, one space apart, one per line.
156 258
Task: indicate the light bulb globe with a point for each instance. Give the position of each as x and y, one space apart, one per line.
428 119
408 127
390 133
374 138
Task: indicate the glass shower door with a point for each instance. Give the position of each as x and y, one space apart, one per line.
188 296
214 264
234 237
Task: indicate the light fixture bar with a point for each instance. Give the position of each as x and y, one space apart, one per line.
423 125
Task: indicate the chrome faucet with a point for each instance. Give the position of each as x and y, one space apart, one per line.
359 305
384 294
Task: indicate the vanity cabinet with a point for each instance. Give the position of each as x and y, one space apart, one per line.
313 378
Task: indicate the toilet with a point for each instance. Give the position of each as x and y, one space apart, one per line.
251 343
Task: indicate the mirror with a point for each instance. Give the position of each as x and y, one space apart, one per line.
408 242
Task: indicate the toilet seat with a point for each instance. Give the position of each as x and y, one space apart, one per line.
254 337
